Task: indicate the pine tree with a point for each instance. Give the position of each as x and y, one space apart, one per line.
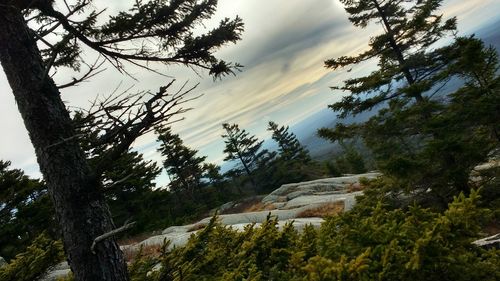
212 174
158 31
243 147
351 161
407 66
25 211
185 169
414 136
289 146
127 184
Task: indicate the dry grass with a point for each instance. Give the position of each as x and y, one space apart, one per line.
148 251
259 206
249 205
325 210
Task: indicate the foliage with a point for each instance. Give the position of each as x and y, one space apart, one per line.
268 169
42 254
278 171
245 149
184 168
126 185
423 137
24 205
241 146
425 146
403 53
160 30
372 242
156 31
213 174
351 161
289 146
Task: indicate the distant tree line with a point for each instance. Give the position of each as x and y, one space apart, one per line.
194 187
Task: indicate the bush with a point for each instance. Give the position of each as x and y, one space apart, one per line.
369 243
30 265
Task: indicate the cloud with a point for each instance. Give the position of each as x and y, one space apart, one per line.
283 49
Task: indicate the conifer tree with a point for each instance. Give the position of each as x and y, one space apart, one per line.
25 210
243 147
414 137
212 173
350 161
181 163
289 146
127 184
38 38
407 67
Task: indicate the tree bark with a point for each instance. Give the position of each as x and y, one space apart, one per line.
75 191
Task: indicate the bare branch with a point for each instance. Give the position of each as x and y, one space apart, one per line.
93 70
119 181
120 118
107 235
65 140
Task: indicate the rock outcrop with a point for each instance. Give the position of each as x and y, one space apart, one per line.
338 185
288 203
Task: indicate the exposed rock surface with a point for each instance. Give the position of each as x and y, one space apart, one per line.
289 201
337 185
2 262
180 235
489 242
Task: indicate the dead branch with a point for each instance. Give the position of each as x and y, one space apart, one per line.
93 70
119 119
118 181
65 140
107 235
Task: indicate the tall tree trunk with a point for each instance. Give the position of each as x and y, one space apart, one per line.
75 192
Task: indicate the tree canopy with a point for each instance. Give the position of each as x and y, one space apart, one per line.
184 168
289 146
421 134
40 37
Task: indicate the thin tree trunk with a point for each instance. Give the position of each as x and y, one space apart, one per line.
245 166
75 192
397 50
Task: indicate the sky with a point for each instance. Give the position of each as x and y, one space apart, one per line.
283 48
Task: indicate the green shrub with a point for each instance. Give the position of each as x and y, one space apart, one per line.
42 254
369 243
